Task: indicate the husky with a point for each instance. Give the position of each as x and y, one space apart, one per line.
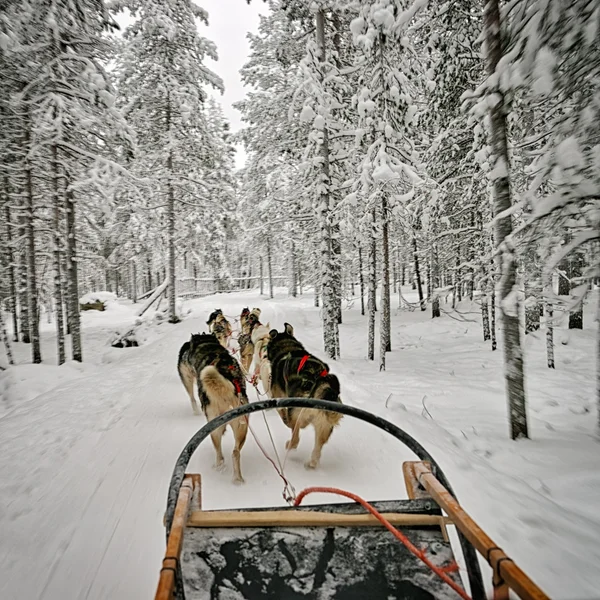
219 326
297 374
249 319
262 366
221 387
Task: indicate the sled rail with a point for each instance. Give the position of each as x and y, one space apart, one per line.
506 574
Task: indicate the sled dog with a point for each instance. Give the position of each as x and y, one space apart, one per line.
221 387
249 319
297 374
219 326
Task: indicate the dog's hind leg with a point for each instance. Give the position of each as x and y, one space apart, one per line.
240 430
295 425
216 437
323 432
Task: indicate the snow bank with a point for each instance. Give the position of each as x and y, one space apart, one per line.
22 383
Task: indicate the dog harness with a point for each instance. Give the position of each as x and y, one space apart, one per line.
304 360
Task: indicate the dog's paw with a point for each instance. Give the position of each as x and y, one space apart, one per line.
290 446
219 466
238 480
311 464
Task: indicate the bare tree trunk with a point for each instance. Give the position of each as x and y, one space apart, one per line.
269 267
549 335
485 315
330 323
134 282
418 273
5 340
509 306
262 283
73 279
576 264
435 284
336 261
33 326
385 321
172 289
362 280
10 252
58 291
493 312
294 273
372 289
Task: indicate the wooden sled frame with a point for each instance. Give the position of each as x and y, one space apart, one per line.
423 479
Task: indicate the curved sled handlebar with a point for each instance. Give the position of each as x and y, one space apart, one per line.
477 589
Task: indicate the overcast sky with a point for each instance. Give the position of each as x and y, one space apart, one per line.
229 22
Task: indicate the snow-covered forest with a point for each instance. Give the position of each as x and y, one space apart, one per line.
430 161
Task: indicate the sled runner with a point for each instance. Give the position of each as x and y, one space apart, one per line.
351 551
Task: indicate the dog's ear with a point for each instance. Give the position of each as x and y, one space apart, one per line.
289 329
273 333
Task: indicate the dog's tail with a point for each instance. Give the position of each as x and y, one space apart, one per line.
220 391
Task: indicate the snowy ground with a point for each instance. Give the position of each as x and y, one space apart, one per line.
86 451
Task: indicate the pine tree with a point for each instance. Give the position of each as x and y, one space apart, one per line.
161 81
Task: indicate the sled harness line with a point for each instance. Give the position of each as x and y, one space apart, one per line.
442 572
289 492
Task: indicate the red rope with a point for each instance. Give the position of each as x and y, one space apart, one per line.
442 572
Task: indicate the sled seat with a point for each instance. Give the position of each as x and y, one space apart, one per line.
334 551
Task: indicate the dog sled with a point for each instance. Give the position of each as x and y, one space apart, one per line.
385 550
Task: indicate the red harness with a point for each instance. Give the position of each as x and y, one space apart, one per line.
236 383
303 361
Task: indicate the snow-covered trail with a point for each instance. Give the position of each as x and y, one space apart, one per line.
84 473
84 468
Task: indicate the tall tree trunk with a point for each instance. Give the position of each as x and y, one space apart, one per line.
418 273
435 284
576 269
361 277
23 288
549 335
493 310
172 290
134 282
33 326
385 322
485 315
293 273
509 305
336 261
5 340
262 284
58 287
73 279
269 267
330 323
10 252
372 288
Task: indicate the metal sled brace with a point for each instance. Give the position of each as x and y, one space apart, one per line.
333 551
